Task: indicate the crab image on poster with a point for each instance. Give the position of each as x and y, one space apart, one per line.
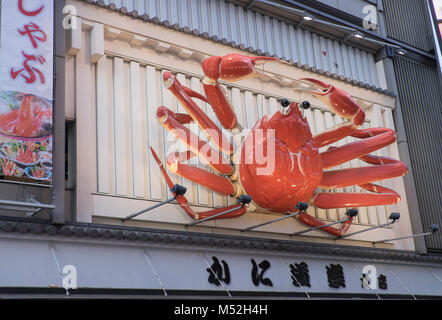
25 136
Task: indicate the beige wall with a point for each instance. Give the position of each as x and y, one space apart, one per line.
114 67
438 8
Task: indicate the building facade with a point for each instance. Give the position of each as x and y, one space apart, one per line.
110 58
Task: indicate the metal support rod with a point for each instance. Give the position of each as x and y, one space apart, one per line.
51 246
299 284
30 215
212 217
154 271
148 209
405 237
201 254
271 221
320 227
252 2
372 228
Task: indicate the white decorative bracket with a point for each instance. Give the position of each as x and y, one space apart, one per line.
73 38
111 33
137 40
97 42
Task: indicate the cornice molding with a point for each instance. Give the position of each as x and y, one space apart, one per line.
89 232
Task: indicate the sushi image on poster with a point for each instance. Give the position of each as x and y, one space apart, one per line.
26 90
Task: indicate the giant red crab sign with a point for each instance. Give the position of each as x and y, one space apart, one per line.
298 166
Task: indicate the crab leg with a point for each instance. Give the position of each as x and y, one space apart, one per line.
171 122
383 196
182 201
370 132
231 67
371 159
344 105
220 104
184 94
330 136
336 156
313 222
358 176
212 181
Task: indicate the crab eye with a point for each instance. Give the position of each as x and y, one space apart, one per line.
305 104
285 104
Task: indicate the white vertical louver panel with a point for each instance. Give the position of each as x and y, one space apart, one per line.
154 132
320 127
377 121
122 132
337 121
138 125
332 214
203 196
105 150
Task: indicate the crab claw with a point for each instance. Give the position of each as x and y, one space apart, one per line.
339 100
232 67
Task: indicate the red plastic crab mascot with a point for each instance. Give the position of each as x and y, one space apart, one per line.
298 167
